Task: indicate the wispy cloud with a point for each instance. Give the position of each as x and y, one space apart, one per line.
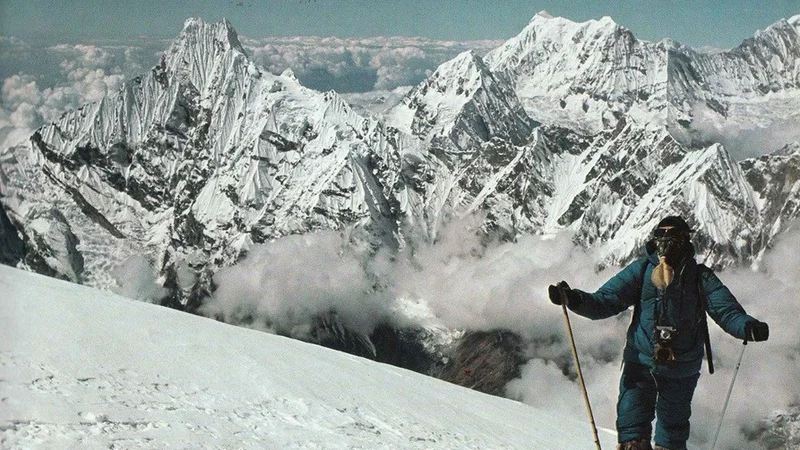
136 279
283 286
749 134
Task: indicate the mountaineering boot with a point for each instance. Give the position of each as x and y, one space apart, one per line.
639 444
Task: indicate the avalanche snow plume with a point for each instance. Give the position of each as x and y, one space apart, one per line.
284 285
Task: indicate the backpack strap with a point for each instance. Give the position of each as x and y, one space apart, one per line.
701 269
637 307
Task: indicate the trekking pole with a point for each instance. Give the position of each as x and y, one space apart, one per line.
727 399
578 367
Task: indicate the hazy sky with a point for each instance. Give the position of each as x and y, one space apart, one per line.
719 23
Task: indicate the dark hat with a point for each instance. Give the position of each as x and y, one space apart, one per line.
676 222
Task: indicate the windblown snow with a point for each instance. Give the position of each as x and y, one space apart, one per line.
83 368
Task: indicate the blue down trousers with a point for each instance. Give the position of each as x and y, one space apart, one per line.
644 396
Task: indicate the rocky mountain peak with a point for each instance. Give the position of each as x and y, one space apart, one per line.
202 52
580 74
197 30
466 72
463 102
543 20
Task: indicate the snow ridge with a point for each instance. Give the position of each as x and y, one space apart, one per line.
133 382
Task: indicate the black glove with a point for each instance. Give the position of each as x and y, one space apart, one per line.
755 331
555 292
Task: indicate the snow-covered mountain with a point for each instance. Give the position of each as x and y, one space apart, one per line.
194 161
620 146
582 75
585 76
463 103
87 369
206 154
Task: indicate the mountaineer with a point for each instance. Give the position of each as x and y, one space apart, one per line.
670 293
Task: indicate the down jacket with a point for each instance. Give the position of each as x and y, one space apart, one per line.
680 305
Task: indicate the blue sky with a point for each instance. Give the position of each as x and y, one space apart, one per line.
718 23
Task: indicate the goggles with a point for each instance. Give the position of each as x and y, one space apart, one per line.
669 233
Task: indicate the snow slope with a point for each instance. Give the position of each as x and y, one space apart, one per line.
83 368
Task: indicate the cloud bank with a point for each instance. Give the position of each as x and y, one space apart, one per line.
40 83
358 64
749 133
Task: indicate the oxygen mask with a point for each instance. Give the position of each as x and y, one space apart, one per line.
670 244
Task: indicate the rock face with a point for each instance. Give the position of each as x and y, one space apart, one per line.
485 361
12 249
463 104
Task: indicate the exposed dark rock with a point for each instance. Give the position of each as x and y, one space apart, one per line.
12 249
485 361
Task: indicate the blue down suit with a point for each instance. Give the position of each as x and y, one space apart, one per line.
647 390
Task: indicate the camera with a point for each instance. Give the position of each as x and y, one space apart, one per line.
665 339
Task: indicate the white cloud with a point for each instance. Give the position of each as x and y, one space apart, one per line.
283 286
92 85
83 55
749 135
136 279
369 63
41 83
20 88
25 116
19 109
401 66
